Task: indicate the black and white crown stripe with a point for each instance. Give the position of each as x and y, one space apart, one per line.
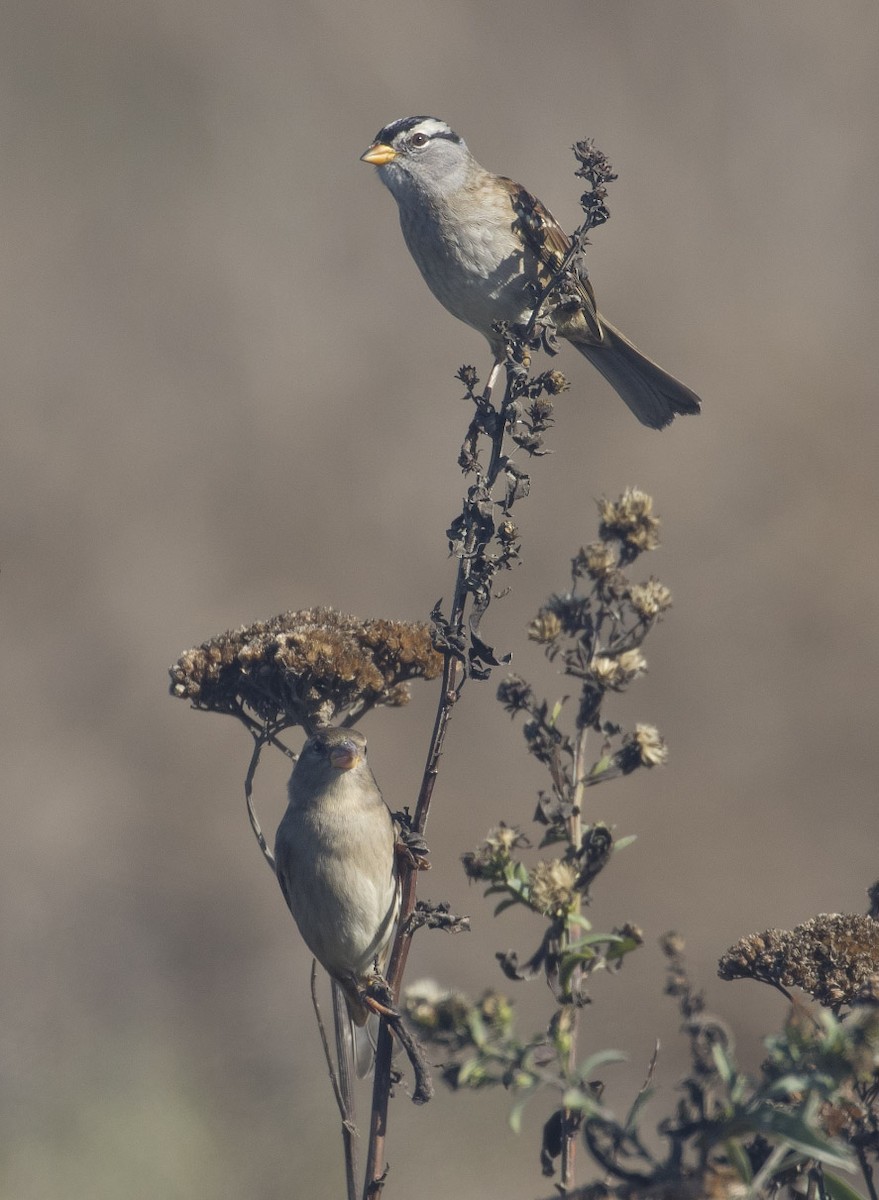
431 127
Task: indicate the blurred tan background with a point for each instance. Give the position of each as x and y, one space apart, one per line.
227 393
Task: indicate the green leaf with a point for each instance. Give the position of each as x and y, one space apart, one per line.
793 1129
581 1100
496 889
623 947
790 1085
596 939
515 1117
838 1189
478 1031
510 902
741 1163
587 1068
621 843
722 1064
467 1069
640 1101
603 764
568 964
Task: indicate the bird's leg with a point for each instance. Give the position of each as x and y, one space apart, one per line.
375 994
492 378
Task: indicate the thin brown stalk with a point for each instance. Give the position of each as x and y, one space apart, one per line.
452 681
341 1088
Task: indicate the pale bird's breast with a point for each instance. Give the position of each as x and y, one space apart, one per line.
473 265
341 883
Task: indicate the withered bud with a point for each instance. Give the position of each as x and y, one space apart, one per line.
649 599
496 1010
596 847
542 741
553 887
630 520
574 612
490 858
545 628
642 748
596 560
605 671
434 1009
613 673
651 747
514 694
631 932
467 375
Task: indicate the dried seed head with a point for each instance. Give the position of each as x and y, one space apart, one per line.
614 672
630 520
833 957
545 628
599 559
649 599
554 886
514 694
652 749
490 858
306 667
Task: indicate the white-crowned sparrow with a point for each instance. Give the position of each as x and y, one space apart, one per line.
336 863
464 228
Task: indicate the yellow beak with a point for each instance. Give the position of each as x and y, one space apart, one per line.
344 757
379 154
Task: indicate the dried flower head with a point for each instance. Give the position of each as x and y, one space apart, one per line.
573 611
630 520
645 747
833 957
553 886
306 667
490 858
596 847
605 671
614 672
649 599
496 1009
437 1011
545 627
652 750
596 560
515 694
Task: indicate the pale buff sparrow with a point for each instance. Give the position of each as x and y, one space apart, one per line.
336 863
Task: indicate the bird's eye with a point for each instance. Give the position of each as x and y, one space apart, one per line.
419 139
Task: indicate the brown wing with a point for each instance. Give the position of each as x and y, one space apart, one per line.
550 244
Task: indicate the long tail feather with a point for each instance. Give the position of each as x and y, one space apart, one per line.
654 396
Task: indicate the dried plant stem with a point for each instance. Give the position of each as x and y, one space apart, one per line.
574 831
341 1083
867 1172
452 682
764 1175
259 740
